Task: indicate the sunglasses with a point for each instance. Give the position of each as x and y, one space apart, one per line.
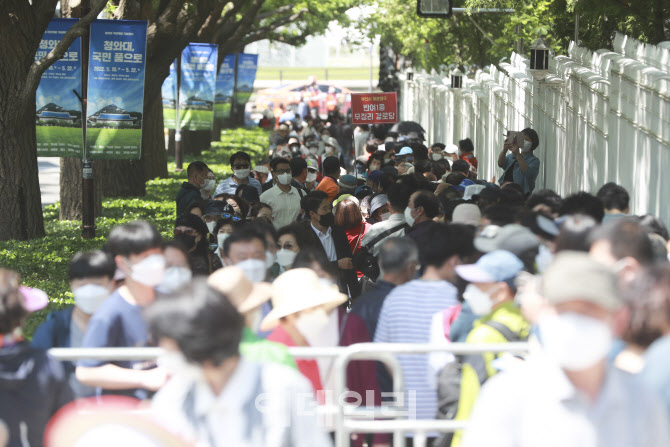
185 230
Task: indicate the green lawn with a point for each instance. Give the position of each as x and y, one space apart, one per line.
302 73
169 117
113 143
43 263
196 119
62 141
221 110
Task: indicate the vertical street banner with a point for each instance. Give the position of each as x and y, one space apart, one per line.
169 95
57 107
225 83
116 70
198 86
246 75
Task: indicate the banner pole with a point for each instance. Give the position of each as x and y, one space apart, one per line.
178 148
88 184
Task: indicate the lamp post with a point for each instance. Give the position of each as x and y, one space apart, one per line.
539 59
457 78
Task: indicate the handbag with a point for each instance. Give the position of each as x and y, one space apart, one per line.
365 262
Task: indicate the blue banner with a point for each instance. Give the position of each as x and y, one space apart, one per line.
246 75
225 84
198 85
116 68
169 94
57 107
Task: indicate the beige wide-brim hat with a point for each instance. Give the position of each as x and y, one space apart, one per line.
297 290
241 292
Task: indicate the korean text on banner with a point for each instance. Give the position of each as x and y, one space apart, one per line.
116 89
169 96
374 108
197 87
246 75
58 109
225 83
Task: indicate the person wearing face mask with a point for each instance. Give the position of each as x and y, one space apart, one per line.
192 233
301 306
380 209
224 228
240 163
91 281
177 269
395 225
246 248
490 295
332 239
311 180
190 191
436 151
119 321
520 166
210 185
290 240
422 209
212 214
282 197
569 393
217 396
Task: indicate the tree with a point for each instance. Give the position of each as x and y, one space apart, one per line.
22 25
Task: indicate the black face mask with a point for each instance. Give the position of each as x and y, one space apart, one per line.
186 240
327 220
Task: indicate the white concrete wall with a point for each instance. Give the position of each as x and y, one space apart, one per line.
602 116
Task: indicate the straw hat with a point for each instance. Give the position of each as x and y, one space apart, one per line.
297 290
241 292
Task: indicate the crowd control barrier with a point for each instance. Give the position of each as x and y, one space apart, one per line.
348 417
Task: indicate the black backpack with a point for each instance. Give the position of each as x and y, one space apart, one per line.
449 382
364 261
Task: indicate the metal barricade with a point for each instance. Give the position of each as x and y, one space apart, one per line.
348 418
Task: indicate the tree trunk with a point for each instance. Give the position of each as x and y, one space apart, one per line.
153 137
71 190
388 73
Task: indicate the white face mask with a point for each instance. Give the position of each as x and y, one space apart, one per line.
89 297
313 150
173 278
385 216
149 271
575 341
311 324
176 364
209 184
479 301
241 173
436 156
221 238
286 257
408 217
254 269
211 225
527 145
284 179
311 177
269 259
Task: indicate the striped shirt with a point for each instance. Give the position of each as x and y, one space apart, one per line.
405 318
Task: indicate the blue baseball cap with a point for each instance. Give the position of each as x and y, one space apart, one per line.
406 151
495 266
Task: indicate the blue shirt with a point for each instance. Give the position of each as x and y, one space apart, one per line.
525 179
117 323
229 186
405 318
656 372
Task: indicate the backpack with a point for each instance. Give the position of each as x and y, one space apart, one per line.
449 383
364 261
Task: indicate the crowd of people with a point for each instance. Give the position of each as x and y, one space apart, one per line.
386 241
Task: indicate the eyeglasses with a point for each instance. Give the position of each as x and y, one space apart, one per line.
185 230
282 171
231 216
242 166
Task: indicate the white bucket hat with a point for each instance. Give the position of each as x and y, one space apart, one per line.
297 290
242 293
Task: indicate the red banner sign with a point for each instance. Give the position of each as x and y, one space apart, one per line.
374 108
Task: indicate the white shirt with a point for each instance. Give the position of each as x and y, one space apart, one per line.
285 205
327 242
263 405
535 404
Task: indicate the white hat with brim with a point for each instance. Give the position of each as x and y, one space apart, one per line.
242 293
297 290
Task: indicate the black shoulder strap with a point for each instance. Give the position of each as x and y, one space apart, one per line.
383 234
506 332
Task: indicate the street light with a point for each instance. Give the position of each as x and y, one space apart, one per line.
539 59
457 78
433 8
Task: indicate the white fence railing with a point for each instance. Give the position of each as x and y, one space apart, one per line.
348 418
601 116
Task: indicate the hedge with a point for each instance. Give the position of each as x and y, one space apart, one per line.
43 263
